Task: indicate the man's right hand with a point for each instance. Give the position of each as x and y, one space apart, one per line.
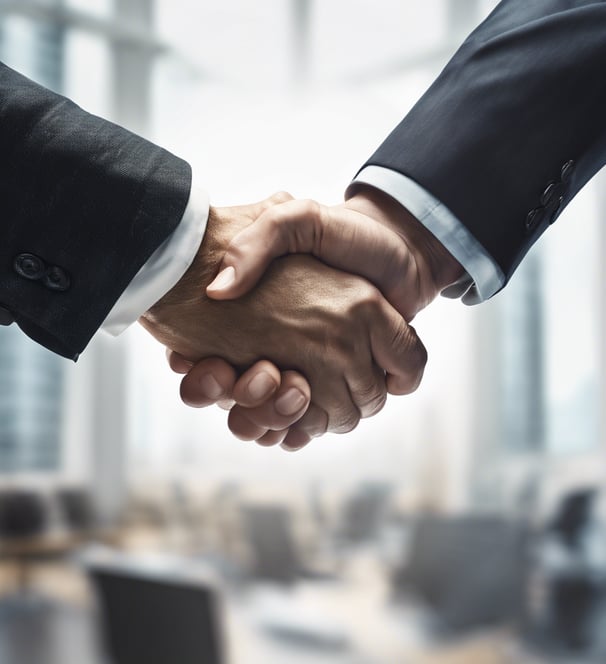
332 327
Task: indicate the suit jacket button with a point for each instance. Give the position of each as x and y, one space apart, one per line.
533 218
567 170
6 317
29 266
56 279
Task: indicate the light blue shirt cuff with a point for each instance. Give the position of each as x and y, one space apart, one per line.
484 276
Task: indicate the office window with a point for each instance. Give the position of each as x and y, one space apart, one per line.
31 394
102 8
572 327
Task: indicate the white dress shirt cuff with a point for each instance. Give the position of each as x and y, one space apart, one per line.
164 268
484 276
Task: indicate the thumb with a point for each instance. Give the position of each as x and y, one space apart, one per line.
343 238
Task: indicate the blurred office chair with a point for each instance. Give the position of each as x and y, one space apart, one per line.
572 517
77 509
270 536
23 522
22 514
469 570
149 619
364 512
576 576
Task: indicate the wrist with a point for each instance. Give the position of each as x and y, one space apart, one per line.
436 267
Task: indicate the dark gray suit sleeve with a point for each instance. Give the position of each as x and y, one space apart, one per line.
514 126
84 204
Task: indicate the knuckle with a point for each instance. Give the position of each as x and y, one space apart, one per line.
344 421
280 197
377 405
415 375
373 403
371 299
364 303
369 391
310 208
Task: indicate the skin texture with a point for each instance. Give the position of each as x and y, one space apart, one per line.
333 328
370 235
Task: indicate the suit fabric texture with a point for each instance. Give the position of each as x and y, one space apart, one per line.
84 204
515 124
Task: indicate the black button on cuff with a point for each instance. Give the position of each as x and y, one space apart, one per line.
29 266
56 279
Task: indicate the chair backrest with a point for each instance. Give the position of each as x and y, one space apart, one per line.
148 620
364 512
573 515
471 570
22 514
271 539
76 508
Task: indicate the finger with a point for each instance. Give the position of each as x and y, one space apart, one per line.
177 362
257 384
368 390
313 424
257 209
242 427
397 349
209 381
343 238
275 415
287 405
272 438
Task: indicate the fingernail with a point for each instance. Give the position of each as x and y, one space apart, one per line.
261 385
290 402
210 386
223 280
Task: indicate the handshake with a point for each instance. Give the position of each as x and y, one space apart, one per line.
296 316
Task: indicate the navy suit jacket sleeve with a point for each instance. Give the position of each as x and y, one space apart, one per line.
84 204
514 126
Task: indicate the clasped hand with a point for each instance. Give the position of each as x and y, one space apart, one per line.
297 345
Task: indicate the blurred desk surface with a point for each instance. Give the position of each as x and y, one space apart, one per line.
53 542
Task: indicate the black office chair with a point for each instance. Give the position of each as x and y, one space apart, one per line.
22 514
270 536
149 619
572 517
364 513
469 570
23 519
77 509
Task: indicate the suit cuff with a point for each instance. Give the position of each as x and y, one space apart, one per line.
164 268
484 276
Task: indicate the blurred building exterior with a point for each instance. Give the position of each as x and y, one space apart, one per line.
35 421
31 378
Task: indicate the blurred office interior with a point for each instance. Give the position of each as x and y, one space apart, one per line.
465 523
